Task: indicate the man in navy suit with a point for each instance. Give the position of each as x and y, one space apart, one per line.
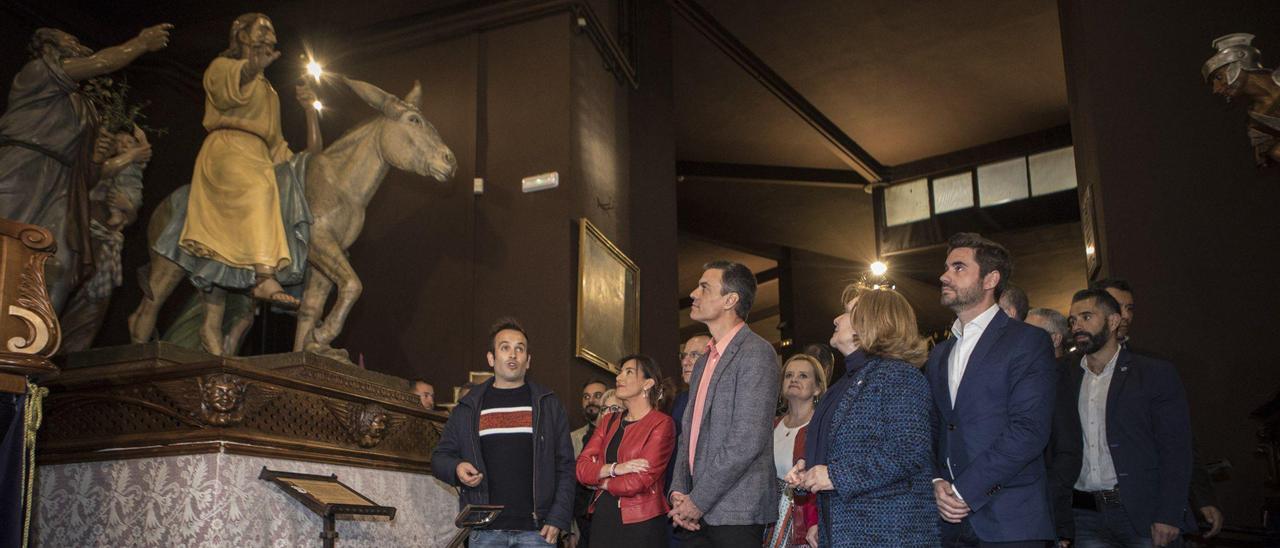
1122 438
1203 496
993 384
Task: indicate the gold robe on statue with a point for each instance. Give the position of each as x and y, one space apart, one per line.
233 212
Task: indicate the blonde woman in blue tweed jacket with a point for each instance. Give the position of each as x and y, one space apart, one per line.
870 441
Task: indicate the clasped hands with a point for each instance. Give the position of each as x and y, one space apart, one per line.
812 479
684 512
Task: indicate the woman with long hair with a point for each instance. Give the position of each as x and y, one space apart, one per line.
625 460
803 381
868 450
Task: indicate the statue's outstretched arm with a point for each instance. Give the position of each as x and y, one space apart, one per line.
260 57
307 98
114 58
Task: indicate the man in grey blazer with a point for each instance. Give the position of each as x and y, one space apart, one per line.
722 491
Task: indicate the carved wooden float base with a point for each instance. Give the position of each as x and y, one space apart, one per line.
156 399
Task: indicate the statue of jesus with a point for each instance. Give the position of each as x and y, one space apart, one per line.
233 211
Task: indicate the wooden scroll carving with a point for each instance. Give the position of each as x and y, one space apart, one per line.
29 331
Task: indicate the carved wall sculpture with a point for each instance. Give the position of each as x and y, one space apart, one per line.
219 399
367 424
29 331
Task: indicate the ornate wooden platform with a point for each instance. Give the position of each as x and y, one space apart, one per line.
157 399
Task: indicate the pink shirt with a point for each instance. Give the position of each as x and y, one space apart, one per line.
715 349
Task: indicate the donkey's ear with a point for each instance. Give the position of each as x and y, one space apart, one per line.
372 95
414 97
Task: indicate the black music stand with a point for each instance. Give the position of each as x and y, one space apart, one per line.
329 499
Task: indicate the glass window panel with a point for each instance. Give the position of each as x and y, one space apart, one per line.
1002 182
953 192
906 202
1053 171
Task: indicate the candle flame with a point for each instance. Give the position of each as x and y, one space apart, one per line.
315 70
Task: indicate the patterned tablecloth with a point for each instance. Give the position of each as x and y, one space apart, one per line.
217 500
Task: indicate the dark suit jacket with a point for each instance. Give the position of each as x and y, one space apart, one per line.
1149 433
996 434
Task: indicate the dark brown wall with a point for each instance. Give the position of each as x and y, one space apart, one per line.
524 250
623 177
415 253
531 98
650 125
1184 215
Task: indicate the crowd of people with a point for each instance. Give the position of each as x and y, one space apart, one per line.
1025 427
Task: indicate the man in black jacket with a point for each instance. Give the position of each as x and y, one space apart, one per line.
493 435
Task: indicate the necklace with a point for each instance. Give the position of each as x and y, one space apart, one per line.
787 431
786 420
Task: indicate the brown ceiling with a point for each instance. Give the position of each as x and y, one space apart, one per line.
829 219
905 79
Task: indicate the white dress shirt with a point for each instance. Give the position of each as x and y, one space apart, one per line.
1097 471
967 336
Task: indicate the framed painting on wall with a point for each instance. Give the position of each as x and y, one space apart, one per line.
608 320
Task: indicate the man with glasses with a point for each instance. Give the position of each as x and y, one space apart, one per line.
693 349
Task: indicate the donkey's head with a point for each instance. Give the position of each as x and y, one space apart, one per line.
407 140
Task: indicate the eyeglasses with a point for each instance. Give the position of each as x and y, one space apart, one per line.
694 354
613 409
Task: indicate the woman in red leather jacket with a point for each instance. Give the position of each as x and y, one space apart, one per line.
626 459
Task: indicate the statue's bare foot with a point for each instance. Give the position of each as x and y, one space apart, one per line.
134 336
269 290
337 354
210 341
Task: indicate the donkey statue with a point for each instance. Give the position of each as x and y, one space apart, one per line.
339 184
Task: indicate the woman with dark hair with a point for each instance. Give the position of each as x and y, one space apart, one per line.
867 454
625 461
803 380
